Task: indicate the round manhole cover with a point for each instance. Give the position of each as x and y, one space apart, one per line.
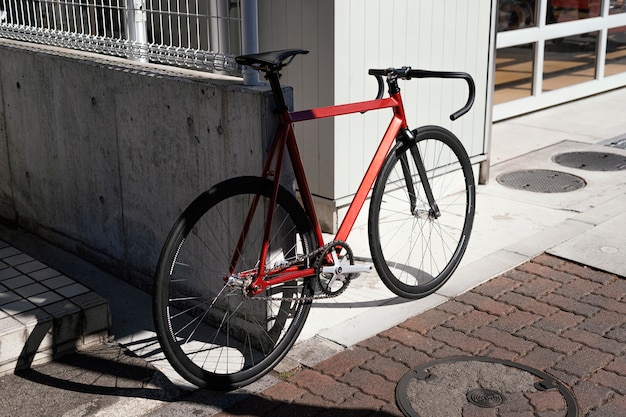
541 181
592 161
461 386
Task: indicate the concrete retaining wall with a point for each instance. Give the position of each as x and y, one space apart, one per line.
100 155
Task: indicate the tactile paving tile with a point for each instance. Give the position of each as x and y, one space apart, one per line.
41 300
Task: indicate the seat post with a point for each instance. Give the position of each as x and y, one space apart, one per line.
279 98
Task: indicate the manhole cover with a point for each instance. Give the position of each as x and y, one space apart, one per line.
460 386
541 181
592 161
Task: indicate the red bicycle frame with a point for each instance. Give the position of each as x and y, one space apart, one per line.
285 138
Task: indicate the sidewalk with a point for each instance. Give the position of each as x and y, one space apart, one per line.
550 314
541 285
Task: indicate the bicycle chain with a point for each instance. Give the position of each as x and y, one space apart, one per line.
297 260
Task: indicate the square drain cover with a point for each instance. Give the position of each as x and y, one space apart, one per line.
541 181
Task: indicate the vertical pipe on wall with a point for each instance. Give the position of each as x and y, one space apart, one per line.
250 38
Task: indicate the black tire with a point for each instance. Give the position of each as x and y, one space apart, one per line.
413 252
210 333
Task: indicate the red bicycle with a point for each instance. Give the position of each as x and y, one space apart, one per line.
242 264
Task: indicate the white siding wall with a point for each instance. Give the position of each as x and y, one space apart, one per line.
346 38
451 35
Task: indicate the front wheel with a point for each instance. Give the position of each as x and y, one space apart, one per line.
416 246
214 333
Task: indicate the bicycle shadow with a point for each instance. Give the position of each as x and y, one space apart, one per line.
105 375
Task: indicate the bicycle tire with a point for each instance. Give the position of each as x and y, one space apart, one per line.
213 335
413 252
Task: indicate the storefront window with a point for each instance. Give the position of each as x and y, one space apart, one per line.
569 61
617 6
516 14
615 52
568 10
514 73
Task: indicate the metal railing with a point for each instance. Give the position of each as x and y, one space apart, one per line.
203 34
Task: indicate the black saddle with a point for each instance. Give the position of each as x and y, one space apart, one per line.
270 61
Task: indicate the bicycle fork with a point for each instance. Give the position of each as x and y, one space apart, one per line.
434 212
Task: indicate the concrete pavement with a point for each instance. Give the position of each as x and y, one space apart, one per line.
540 285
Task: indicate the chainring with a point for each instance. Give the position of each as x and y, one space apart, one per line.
336 254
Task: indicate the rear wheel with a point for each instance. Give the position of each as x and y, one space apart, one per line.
213 334
414 248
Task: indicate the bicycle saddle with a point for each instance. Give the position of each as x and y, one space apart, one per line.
270 61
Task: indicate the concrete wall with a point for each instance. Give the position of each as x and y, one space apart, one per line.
100 155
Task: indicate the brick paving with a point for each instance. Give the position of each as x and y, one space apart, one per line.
550 314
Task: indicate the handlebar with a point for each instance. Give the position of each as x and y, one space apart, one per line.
406 73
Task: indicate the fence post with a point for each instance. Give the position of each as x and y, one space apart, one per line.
137 29
250 38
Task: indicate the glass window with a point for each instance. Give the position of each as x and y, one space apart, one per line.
514 73
568 10
516 14
615 62
570 60
617 6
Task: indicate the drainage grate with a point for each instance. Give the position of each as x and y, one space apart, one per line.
460 386
592 161
541 181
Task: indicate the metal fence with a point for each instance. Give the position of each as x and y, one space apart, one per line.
203 34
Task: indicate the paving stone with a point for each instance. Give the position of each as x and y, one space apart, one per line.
18 259
497 286
587 273
323 385
603 322
545 272
408 356
454 307
344 362
589 395
605 303
541 358
378 344
30 266
610 380
549 340
571 305
459 340
411 339
584 362
615 289
18 281
538 287
549 261
528 304
504 340
514 321
370 383
386 367
617 365
559 322
578 288
485 304
517 275
426 321
470 321
7 273
284 392
542 401
596 341
614 407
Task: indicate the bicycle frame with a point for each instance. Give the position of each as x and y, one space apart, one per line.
285 139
